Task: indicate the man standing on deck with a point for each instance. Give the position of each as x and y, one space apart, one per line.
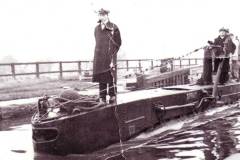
219 50
108 42
222 53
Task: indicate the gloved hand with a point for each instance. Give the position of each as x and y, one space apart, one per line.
210 42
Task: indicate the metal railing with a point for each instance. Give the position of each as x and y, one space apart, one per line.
60 67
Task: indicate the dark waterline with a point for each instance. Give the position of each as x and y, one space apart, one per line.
214 134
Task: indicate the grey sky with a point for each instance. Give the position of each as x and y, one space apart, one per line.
34 30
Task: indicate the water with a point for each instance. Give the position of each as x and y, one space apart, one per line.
214 134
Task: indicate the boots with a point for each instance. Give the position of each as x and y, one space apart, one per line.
102 101
112 100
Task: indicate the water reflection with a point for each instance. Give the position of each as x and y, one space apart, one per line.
211 135
16 140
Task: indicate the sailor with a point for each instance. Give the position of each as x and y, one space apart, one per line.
221 54
108 42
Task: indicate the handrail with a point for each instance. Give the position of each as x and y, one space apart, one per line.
14 69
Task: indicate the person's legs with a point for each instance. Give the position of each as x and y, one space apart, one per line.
112 89
216 64
224 77
102 91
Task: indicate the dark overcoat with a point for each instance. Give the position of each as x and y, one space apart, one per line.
219 42
227 46
108 42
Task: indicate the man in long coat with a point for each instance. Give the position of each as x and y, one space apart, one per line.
108 42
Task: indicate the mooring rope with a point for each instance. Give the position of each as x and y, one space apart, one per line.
114 85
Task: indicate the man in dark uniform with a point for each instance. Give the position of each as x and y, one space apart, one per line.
108 42
222 53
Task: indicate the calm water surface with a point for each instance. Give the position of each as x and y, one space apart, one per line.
214 134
